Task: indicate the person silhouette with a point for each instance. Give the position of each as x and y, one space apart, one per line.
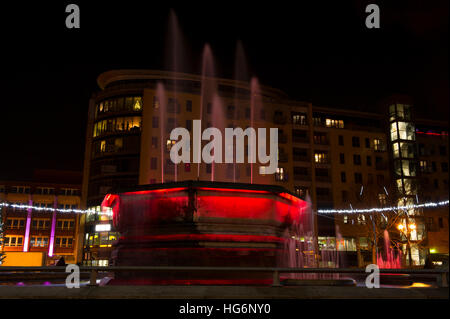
61 262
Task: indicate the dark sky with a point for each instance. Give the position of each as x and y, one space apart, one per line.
319 52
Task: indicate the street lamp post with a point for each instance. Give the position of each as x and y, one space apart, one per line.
408 228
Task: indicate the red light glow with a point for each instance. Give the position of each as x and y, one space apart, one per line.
205 237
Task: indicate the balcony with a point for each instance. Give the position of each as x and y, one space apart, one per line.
381 166
379 148
323 178
302 177
279 119
281 177
324 198
301 158
300 139
283 157
321 140
282 138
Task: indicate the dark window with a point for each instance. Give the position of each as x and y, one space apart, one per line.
367 143
300 171
344 196
444 167
188 125
369 160
343 177
247 113
153 163
442 150
441 222
341 140
436 183
320 138
358 178
322 172
380 179
230 111
155 122
262 114
322 191
357 159
421 149
355 141
188 106
154 142
433 165
342 158
173 106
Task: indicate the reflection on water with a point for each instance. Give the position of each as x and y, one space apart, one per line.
56 283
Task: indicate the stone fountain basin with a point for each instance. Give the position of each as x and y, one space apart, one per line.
148 209
202 224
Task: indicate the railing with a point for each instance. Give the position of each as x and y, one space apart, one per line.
441 274
279 119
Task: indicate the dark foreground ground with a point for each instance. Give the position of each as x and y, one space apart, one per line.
219 292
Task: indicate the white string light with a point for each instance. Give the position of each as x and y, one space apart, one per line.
320 211
38 208
381 209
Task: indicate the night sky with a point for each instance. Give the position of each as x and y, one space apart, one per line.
321 53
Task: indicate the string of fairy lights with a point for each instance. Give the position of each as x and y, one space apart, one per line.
319 211
48 209
382 209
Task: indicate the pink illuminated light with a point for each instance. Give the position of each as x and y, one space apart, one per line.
52 235
27 229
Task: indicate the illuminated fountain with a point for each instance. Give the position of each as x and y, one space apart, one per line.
389 258
202 224
210 223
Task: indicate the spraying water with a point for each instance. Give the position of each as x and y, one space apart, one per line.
240 74
208 91
390 258
161 103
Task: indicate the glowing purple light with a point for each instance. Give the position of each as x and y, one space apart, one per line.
27 229
52 236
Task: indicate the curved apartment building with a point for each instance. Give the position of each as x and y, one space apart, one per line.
326 153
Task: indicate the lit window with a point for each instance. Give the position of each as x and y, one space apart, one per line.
13 241
39 241
299 119
170 143
300 191
382 199
40 223
118 143
15 223
137 104
361 220
321 157
424 167
65 224
280 174
378 144
64 242
103 146
334 123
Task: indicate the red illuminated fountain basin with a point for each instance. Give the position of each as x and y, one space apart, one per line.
195 223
